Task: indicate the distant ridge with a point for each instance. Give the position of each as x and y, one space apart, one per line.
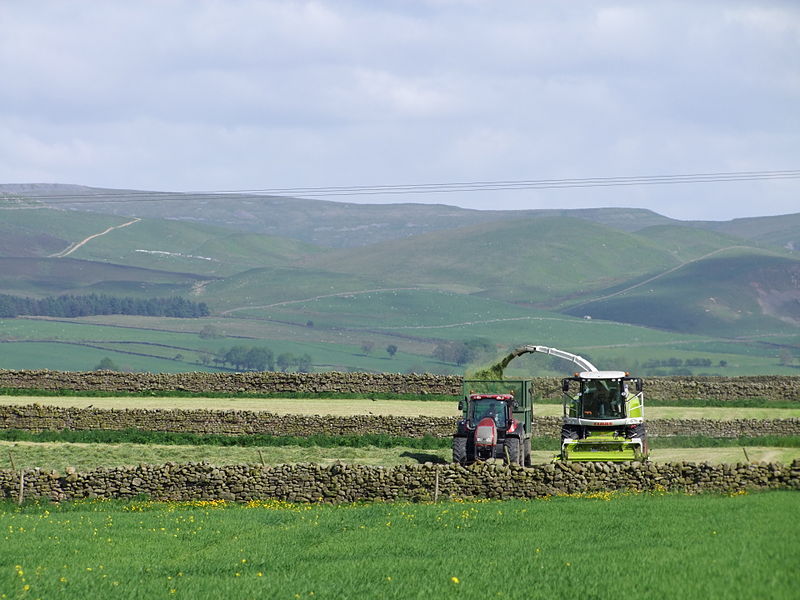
321 222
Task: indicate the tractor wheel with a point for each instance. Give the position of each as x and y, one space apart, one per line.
527 459
512 451
460 450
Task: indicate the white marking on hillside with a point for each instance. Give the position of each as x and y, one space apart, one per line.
178 254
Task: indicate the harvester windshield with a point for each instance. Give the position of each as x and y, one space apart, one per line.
601 399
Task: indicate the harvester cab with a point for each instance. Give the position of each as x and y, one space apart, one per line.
603 417
495 422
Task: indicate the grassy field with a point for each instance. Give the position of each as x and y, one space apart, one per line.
358 406
414 321
653 545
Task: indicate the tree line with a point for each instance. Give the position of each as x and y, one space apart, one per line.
677 362
462 353
100 304
257 358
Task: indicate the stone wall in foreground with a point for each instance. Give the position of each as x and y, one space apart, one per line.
240 422
351 483
783 388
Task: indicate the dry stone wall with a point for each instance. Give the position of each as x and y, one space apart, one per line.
239 422
352 483
232 383
785 389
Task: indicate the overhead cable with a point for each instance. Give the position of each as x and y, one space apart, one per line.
111 196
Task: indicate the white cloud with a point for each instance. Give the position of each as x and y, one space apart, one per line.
212 94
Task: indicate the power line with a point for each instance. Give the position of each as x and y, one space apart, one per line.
113 196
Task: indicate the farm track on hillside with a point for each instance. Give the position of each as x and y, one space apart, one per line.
73 247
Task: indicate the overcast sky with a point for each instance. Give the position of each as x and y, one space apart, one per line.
243 94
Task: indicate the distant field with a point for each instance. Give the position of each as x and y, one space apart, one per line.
59 455
334 331
306 406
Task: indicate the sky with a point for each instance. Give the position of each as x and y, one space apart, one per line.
202 95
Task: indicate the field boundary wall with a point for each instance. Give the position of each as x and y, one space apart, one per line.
776 388
35 417
340 483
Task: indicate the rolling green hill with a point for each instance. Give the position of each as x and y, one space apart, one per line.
782 230
319 222
148 243
410 276
737 292
534 261
41 232
38 277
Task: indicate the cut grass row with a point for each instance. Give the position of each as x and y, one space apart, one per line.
704 546
174 395
136 436
86 457
363 406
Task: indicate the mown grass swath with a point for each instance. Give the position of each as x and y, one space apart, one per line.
679 546
136 436
184 394
687 402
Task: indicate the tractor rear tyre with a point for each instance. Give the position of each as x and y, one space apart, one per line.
512 451
460 450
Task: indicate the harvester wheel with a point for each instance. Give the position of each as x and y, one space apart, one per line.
512 451
460 450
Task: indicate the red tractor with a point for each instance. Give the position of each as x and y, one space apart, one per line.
494 424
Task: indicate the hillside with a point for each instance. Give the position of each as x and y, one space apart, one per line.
736 292
539 261
38 277
782 230
413 278
319 222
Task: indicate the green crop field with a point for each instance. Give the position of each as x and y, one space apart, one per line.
598 546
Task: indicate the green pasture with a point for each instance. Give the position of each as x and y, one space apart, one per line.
78 346
336 341
67 225
401 308
705 546
266 286
192 247
76 357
